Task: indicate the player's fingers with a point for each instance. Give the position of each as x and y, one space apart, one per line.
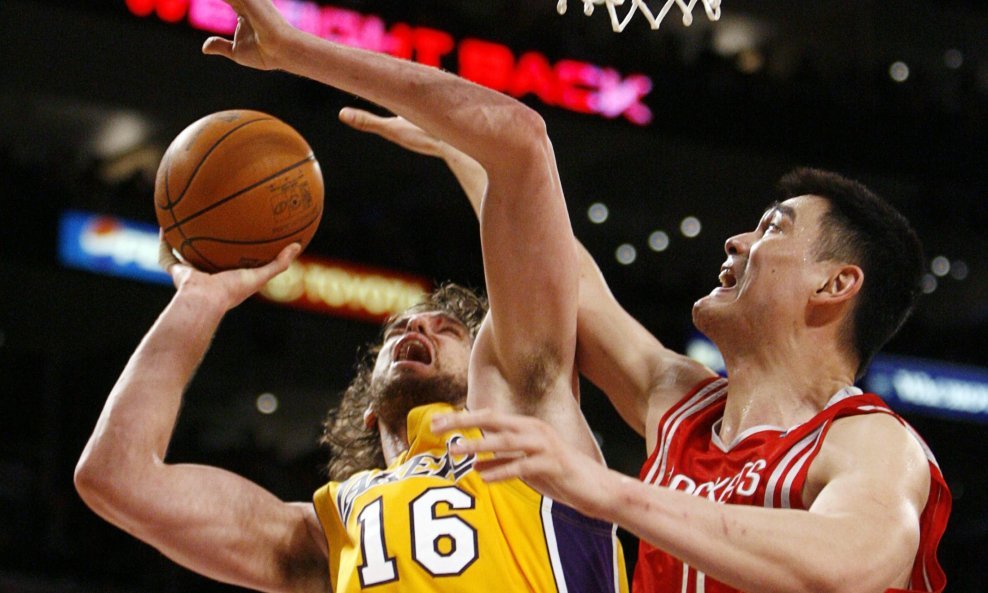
276 266
499 444
218 46
497 470
359 119
166 257
483 419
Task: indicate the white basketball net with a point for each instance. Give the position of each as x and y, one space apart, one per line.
712 7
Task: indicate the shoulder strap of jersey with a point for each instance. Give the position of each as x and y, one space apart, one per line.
708 392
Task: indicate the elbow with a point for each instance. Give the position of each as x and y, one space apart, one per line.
90 481
533 129
525 133
100 485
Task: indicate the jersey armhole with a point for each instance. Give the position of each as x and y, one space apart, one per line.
702 390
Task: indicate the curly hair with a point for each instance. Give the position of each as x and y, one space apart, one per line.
354 447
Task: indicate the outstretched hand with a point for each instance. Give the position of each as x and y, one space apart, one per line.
260 27
229 288
394 128
470 173
527 448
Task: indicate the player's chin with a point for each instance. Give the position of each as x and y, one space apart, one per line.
707 311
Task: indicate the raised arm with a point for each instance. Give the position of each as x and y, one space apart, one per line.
205 518
468 172
525 352
637 373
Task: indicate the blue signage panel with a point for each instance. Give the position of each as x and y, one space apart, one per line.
930 387
914 385
109 245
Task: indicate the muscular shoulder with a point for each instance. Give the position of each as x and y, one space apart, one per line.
876 451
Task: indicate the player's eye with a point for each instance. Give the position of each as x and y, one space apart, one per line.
395 329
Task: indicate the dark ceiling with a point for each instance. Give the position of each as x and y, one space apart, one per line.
774 84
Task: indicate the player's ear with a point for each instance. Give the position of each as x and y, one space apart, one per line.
840 285
835 290
370 419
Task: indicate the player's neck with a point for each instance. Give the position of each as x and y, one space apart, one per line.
394 441
783 387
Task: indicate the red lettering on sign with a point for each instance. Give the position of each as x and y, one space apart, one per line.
171 11
570 84
534 75
577 81
140 7
431 45
486 63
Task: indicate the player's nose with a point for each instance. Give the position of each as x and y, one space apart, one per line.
738 244
422 322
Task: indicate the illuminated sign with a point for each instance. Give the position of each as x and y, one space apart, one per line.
930 387
914 385
108 245
326 285
568 84
117 247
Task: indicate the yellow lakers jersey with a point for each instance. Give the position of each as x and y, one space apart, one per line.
429 523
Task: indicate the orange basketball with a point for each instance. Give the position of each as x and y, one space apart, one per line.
236 187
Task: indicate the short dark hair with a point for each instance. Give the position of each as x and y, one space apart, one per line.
864 229
352 446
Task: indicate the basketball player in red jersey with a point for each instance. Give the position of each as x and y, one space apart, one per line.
789 479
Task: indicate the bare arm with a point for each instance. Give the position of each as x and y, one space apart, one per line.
860 534
525 233
525 351
524 224
468 172
205 518
639 375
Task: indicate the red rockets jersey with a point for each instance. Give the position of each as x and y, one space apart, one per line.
764 466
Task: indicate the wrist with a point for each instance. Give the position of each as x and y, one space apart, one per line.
195 301
283 47
602 500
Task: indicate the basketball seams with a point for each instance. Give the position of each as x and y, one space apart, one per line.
170 206
189 242
220 202
210 159
205 156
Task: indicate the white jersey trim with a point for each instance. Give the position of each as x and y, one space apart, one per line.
616 552
849 391
719 443
549 529
781 468
699 401
791 476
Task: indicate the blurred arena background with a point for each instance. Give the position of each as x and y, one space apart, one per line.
668 142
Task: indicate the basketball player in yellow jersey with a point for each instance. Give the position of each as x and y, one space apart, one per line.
426 536
430 523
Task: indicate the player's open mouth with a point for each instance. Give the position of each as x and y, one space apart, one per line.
727 278
412 348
